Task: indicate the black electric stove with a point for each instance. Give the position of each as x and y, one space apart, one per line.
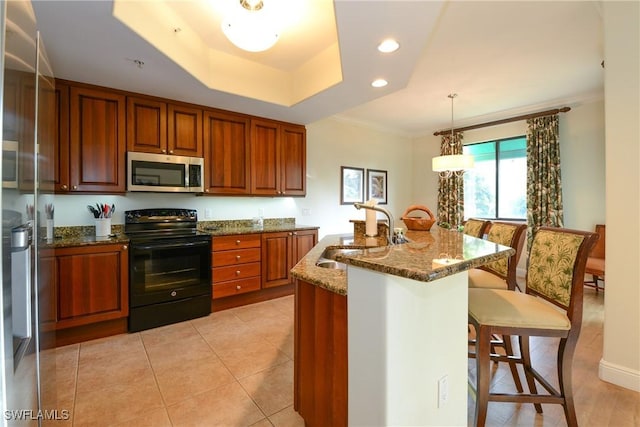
169 267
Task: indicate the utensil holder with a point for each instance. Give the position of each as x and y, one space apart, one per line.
49 229
103 227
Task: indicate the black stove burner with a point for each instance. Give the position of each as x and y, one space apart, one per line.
150 224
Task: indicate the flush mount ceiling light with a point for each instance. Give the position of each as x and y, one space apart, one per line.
379 83
250 28
448 164
388 46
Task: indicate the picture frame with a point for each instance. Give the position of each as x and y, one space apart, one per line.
377 185
351 185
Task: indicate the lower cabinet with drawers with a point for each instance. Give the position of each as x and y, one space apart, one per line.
254 267
235 263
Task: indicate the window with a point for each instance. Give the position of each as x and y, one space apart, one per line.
496 188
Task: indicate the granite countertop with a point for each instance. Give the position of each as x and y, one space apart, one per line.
84 235
429 255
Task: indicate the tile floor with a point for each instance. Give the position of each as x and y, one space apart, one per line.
232 368
235 368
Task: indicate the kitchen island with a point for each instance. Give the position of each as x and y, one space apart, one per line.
401 311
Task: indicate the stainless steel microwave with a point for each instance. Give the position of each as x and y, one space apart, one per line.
9 164
164 173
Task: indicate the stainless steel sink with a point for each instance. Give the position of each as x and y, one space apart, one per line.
327 259
332 253
331 264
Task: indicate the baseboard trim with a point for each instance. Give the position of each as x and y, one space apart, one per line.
619 375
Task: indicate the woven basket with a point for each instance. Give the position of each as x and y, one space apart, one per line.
417 223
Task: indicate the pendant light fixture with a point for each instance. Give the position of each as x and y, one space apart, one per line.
448 164
250 28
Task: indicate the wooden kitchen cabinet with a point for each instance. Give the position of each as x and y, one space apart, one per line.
281 251
320 373
278 159
155 126
235 264
91 284
60 161
97 140
227 153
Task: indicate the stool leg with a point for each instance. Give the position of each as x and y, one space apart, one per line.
512 365
526 362
483 374
565 356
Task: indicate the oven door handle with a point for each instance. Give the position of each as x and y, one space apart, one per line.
172 245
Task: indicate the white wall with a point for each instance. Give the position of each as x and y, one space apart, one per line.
620 362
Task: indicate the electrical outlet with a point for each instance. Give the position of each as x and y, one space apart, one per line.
306 211
443 391
207 213
261 213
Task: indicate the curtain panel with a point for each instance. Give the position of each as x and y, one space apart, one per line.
451 189
544 184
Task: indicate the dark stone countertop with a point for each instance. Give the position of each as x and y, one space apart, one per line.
429 256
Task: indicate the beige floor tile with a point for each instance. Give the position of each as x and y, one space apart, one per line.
271 389
68 356
168 334
287 418
256 311
215 321
248 358
262 423
171 353
117 403
228 337
117 345
110 371
228 405
186 379
153 418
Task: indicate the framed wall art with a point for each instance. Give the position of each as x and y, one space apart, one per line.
377 185
351 185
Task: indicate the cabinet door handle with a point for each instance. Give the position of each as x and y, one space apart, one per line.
163 151
295 234
206 190
290 234
170 151
125 247
75 187
64 186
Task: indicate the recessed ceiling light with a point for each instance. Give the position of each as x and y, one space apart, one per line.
388 46
379 83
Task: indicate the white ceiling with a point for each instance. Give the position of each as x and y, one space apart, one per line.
502 58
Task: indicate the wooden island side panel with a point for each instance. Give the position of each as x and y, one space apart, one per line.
320 359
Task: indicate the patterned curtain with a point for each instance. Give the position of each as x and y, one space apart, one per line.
544 186
450 190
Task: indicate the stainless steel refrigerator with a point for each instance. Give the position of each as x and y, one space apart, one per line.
27 368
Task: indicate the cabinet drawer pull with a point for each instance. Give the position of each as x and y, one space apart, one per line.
174 293
237 272
237 257
237 242
238 287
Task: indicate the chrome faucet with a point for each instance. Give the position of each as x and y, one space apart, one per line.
390 240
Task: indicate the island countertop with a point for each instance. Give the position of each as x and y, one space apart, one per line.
428 256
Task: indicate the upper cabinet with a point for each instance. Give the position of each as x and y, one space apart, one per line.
153 126
278 159
243 155
227 153
97 140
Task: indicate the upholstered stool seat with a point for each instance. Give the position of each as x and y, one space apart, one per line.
483 279
499 307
